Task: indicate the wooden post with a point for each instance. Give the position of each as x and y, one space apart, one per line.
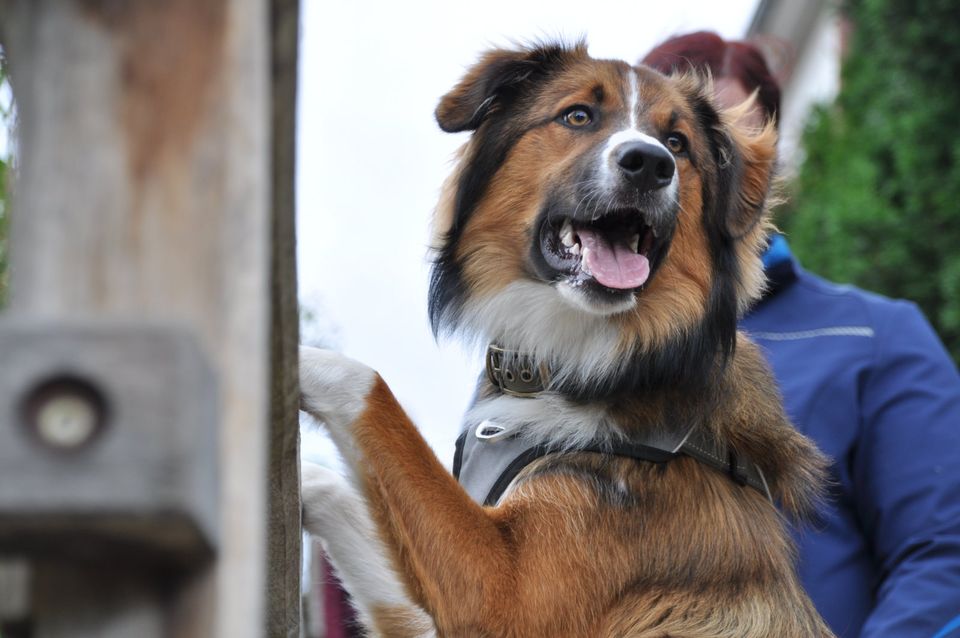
155 186
284 551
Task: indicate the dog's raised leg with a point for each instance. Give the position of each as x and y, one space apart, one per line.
447 546
334 511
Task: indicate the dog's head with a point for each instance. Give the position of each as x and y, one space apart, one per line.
603 217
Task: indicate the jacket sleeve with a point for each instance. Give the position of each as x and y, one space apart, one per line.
907 474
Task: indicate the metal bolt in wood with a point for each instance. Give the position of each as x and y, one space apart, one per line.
65 414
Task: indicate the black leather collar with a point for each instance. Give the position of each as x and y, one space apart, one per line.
516 373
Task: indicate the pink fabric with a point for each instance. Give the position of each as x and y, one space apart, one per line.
339 617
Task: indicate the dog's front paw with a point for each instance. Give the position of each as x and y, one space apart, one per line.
333 388
323 493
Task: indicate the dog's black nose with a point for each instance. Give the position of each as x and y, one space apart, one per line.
648 166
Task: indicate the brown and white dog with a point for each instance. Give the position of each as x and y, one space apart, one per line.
605 223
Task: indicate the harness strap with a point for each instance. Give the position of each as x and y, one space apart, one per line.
704 448
697 445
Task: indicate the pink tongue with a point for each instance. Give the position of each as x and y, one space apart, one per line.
612 265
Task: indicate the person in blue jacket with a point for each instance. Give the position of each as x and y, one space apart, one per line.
869 381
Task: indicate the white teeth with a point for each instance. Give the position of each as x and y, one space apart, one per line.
575 249
634 242
566 234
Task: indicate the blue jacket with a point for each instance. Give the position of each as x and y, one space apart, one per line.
867 378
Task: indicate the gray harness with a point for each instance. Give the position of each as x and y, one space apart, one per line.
488 459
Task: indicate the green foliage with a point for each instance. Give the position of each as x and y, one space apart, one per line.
877 201
6 117
3 231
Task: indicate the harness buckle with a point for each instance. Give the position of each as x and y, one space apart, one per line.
490 431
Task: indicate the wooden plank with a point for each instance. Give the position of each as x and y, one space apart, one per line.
283 616
144 193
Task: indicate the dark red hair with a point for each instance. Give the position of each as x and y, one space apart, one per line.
735 60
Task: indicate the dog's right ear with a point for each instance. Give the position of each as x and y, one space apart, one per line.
495 81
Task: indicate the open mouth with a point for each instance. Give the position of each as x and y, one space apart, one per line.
618 251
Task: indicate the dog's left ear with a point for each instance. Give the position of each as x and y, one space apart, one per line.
496 80
746 158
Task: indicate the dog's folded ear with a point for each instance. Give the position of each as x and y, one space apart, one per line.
495 81
754 158
745 156
748 157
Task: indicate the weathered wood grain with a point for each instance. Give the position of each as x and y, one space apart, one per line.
145 193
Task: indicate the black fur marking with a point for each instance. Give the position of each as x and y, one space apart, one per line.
674 116
447 289
687 361
663 617
718 200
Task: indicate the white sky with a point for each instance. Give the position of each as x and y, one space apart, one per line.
371 161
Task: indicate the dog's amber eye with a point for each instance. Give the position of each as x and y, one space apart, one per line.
677 143
577 116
